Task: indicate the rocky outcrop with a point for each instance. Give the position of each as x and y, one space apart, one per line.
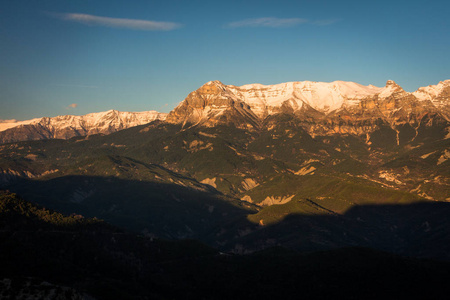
437 95
10 175
213 104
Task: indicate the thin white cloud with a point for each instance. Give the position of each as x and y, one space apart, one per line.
267 22
278 22
73 105
133 24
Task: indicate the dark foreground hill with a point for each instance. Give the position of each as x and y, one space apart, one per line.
44 253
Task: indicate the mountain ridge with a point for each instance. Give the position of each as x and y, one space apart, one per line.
338 107
67 126
322 96
324 108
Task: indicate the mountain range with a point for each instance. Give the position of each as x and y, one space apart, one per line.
64 127
322 108
303 165
336 107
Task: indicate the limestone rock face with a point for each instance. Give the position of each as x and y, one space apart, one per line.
436 95
322 108
213 104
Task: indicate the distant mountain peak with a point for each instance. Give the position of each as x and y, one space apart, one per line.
391 88
67 126
214 82
438 95
211 87
391 83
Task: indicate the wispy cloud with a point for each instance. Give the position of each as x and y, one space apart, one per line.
73 105
133 24
267 22
278 22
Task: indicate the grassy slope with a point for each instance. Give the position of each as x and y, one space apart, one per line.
141 173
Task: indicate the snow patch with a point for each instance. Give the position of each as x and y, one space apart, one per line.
432 91
386 92
322 96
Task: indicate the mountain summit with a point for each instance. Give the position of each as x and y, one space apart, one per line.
264 100
213 103
322 108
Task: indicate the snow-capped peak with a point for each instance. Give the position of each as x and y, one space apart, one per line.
214 97
390 88
214 82
432 91
95 122
321 96
391 83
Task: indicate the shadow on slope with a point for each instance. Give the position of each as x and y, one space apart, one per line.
38 245
91 257
151 208
173 211
418 229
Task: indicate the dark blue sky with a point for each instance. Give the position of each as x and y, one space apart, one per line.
148 55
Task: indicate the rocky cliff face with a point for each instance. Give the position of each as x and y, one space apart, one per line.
64 127
437 95
212 104
322 108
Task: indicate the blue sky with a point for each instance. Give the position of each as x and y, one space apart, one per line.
80 56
